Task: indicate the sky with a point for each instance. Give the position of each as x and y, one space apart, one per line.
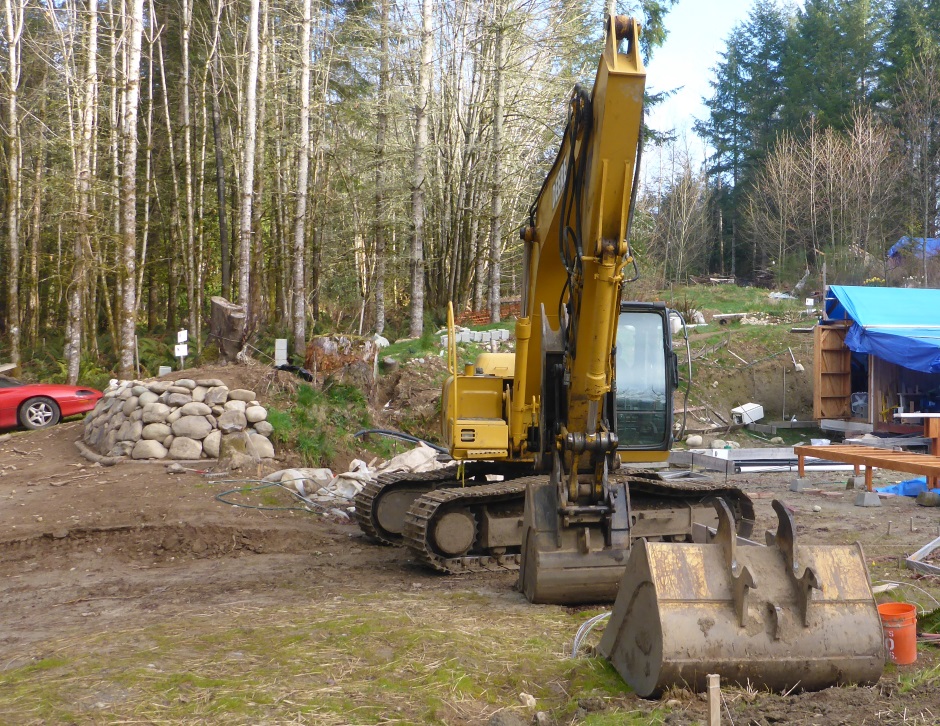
697 33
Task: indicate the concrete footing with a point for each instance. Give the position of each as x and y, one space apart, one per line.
867 499
800 484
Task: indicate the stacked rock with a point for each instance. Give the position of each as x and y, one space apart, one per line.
184 419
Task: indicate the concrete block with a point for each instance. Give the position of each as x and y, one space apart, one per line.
855 482
867 499
800 485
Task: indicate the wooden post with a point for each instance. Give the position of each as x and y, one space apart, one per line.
801 467
868 472
932 432
714 699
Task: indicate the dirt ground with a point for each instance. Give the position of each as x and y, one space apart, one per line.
85 549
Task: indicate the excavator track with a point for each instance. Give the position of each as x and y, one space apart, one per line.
421 535
467 508
381 505
368 501
648 490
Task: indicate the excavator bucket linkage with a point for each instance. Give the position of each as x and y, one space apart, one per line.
779 617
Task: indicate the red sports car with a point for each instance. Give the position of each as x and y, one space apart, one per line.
37 405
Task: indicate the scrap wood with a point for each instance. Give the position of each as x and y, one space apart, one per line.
60 483
916 560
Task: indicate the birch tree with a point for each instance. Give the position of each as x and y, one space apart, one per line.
15 10
420 171
249 140
496 199
135 26
83 181
380 171
303 164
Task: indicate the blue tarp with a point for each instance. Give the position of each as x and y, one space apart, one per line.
914 247
899 325
907 488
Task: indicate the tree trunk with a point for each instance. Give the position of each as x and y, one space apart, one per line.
496 200
380 172
14 22
129 188
303 168
420 165
73 349
248 160
216 76
190 241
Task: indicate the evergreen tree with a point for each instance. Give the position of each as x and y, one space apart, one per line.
830 62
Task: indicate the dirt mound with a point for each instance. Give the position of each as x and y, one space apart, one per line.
410 397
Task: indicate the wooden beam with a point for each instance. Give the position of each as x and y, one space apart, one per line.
927 465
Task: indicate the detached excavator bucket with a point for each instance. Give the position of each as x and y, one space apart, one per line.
779 617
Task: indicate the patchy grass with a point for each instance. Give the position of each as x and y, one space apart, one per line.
428 658
729 299
927 677
316 423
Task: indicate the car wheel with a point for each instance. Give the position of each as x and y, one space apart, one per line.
38 413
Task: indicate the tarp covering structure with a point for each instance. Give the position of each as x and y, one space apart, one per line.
912 247
899 325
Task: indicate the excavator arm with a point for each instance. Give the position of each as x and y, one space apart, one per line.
578 256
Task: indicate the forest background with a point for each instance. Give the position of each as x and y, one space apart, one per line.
355 165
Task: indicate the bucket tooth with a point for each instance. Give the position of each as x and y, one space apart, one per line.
686 610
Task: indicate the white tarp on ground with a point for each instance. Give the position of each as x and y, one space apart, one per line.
321 485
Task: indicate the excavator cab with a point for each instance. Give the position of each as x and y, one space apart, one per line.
644 380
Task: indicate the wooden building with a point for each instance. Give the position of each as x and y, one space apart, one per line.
876 353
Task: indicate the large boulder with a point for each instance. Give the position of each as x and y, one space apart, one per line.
194 408
147 449
232 421
264 428
192 427
147 397
185 448
261 447
241 394
130 405
211 444
155 413
155 432
216 396
254 414
179 399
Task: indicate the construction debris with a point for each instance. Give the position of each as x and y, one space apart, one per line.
917 561
322 486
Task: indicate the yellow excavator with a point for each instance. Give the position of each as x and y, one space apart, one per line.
547 441
510 418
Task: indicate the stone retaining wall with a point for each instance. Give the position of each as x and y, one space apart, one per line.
185 419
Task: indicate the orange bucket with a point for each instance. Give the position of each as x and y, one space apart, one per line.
899 621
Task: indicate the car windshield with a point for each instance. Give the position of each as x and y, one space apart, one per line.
7 382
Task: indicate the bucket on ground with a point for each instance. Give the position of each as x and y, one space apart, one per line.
899 621
779 617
